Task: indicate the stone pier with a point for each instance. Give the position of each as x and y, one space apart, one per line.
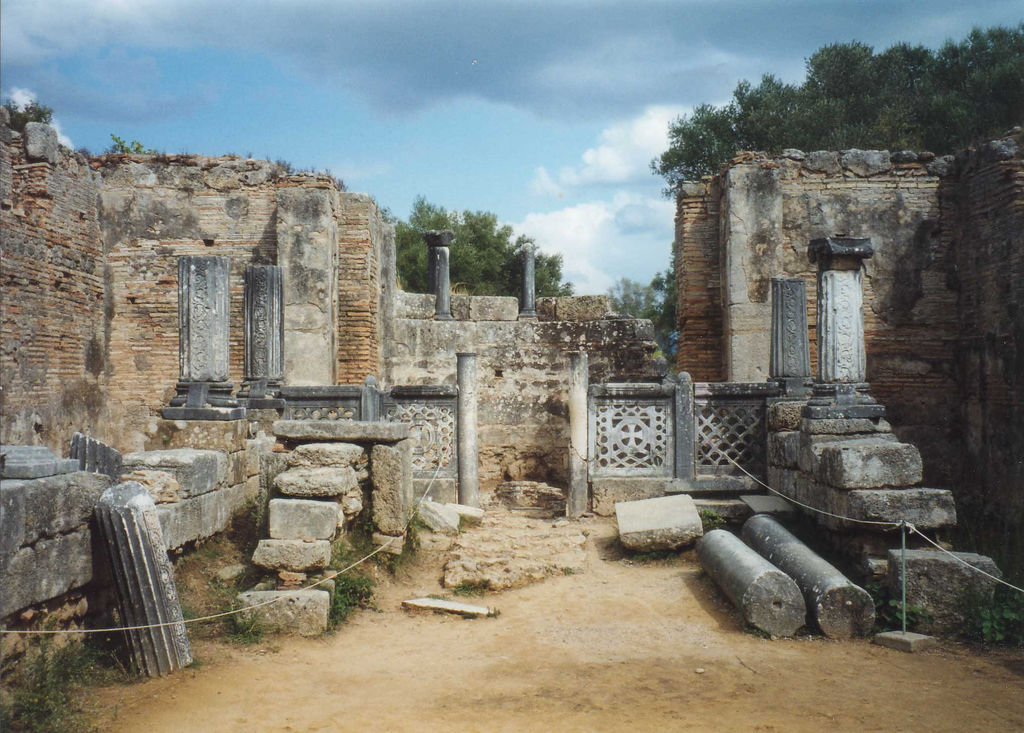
790 359
203 389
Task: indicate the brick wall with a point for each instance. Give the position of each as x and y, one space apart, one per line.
52 361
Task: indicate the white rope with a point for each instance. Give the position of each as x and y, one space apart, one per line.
277 598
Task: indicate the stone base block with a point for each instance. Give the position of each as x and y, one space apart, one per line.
868 463
947 587
663 523
318 455
199 517
33 461
327 481
294 555
848 426
924 508
350 431
302 612
908 642
784 449
303 519
217 435
203 413
785 415
197 471
811 446
605 493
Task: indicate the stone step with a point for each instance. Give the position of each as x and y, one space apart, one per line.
303 519
302 612
318 455
662 523
324 481
295 555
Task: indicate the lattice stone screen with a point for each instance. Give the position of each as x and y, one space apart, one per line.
729 422
431 413
632 431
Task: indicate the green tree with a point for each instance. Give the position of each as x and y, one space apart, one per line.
655 301
906 97
31 112
484 256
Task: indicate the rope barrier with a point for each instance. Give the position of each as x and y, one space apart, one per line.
224 614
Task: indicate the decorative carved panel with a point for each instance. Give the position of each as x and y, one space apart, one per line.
631 437
432 430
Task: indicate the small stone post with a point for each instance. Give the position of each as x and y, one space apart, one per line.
577 501
842 363
469 459
264 336
685 466
790 362
203 392
438 242
128 521
528 301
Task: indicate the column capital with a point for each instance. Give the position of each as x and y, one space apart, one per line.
840 253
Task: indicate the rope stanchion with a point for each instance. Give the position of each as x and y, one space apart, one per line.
224 614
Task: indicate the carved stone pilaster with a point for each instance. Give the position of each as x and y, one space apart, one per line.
203 392
790 362
264 337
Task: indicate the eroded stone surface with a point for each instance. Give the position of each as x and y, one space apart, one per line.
197 471
662 523
326 481
294 555
302 612
868 463
303 519
316 455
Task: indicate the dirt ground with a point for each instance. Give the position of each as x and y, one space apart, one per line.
621 646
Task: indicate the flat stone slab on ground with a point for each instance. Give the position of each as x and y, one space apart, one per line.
908 642
302 612
530 495
761 504
663 523
391 544
438 517
468 515
441 605
351 431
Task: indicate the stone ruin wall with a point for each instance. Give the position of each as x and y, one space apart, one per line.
942 317
522 370
89 279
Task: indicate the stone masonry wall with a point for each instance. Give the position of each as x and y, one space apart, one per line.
52 359
522 370
768 211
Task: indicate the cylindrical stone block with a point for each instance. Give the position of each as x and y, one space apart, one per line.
840 608
768 598
147 596
203 310
528 299
577 502
264 323
841 356
469 459
790 350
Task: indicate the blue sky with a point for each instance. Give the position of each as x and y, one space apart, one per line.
546 113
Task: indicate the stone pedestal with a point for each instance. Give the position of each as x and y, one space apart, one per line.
128 520
264 337
203 392
468 454
579 378
790 362
528 299
439 277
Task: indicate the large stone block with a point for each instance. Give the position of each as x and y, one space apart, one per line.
868 463
811 446
327 481
784 449
844 426
316 455
947 587
46 570
33 461
201 516
924 508
41 142
663 523
493 308
59 504
391 473
439 517
605 493
574 308
295 555
197 471
303 519
161 485
12 518
227 436
344 430
303 612
785 415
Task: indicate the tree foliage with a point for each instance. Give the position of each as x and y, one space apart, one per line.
484 258
655 301
30 112
129 147
906 97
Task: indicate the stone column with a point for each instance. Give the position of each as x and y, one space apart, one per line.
577 501
264 336
431 270
438 242
469 459
842 364
203 389
128 521
528 301
790 362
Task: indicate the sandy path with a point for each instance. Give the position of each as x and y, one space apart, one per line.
615 648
